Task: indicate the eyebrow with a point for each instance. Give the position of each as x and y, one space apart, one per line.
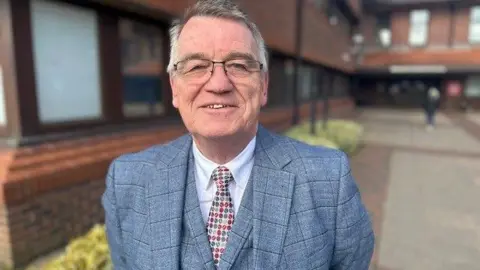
191 56
235 55
230 56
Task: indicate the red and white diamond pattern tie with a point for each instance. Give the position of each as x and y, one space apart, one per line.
221 215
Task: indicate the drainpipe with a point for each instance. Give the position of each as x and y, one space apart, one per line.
325 97
298 61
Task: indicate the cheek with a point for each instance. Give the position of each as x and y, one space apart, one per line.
252 92
186 97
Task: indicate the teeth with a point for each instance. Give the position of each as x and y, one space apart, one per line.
217 106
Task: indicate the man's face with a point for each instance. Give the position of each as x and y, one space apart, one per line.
241 97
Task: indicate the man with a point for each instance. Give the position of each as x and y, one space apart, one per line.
230 194
432 98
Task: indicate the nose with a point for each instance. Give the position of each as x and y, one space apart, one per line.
219 81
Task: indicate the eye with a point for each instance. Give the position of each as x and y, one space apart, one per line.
195 66
239 65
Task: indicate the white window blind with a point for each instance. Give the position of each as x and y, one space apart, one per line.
65 44
474 29
419 27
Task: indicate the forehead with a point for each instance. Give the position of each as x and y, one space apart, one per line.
215 37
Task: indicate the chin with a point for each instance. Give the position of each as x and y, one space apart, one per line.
216 131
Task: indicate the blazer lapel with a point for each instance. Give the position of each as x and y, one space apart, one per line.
265 207
194 220
166 199
241 229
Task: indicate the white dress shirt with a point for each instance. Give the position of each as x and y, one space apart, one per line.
240 167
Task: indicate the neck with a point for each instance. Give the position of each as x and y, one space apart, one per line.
222 150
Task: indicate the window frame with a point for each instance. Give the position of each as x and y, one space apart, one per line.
413 24
384 18
164 54
474 22
109 67
280 63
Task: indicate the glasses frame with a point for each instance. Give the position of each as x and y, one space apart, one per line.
175 66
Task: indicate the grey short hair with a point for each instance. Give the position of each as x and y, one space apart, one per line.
217 9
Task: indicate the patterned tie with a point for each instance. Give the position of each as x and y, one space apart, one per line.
220 218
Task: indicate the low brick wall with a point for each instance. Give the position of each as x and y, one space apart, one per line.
49 220
51 193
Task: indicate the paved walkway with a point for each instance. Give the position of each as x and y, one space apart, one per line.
422 189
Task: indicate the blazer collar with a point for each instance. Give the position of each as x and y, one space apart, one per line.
271 151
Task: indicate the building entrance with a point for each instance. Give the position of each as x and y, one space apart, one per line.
407 92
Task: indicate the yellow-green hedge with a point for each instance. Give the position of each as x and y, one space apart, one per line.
89 252
306 137
341 134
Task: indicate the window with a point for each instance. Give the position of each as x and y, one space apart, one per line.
325 83
474 29
281 72
383 32
419 27
3 116
304 83
340 85
142 67
66 57
473 87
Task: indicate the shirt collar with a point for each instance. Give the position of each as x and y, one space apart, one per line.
238 166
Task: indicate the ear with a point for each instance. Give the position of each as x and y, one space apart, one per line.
264 97
174 91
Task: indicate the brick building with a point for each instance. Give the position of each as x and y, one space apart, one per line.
410 45
82 82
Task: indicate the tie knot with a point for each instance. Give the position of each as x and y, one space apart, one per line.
222 176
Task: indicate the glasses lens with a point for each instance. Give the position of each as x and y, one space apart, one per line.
241 67
194 67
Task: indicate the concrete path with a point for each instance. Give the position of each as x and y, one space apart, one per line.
422 189
474 117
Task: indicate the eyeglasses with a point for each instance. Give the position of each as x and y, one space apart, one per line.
196 70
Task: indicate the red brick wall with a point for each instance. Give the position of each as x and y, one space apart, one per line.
400 22
47 221
323 42
462 22
5 247
438 34
367 28
276 24
424 57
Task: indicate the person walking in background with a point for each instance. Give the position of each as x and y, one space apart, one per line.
230 194
432 100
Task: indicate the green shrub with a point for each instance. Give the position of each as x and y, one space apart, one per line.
89 252
344 134
306 137
5 267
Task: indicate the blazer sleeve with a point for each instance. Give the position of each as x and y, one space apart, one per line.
354 238
112 224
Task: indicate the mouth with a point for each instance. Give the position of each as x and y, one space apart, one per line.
218 106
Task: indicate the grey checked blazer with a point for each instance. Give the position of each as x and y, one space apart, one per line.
301 210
